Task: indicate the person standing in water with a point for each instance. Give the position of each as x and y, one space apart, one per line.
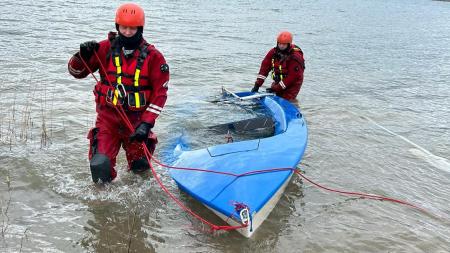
136 79
287 65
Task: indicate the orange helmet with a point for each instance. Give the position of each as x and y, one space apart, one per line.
130 15
284 37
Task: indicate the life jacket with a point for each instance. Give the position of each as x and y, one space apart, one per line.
127 81
279 63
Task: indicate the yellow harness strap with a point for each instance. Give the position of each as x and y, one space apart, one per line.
136 84
119 78
273 70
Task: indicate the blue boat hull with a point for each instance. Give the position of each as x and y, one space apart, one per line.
218 192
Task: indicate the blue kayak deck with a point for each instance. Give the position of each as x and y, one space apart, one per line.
283 150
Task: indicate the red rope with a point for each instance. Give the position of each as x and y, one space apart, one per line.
249 173
360 194
103 68
87 66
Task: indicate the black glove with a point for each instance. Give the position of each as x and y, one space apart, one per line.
141 132
269 90
87 49
255 88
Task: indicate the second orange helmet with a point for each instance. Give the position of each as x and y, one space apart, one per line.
284 37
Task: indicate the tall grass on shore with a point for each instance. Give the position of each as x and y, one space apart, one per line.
22 112
5 206
27 123
45 138
12 123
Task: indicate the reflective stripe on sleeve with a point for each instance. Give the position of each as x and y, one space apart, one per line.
153 110
155 107
261 77
75 71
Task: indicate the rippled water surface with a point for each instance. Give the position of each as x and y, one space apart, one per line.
375 96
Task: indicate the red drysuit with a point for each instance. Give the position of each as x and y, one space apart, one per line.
287 71
144 77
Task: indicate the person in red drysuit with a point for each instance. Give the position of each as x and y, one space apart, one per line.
137 79
287 65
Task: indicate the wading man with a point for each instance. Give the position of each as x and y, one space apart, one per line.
287 65
136 79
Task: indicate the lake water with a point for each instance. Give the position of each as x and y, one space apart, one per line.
375 97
